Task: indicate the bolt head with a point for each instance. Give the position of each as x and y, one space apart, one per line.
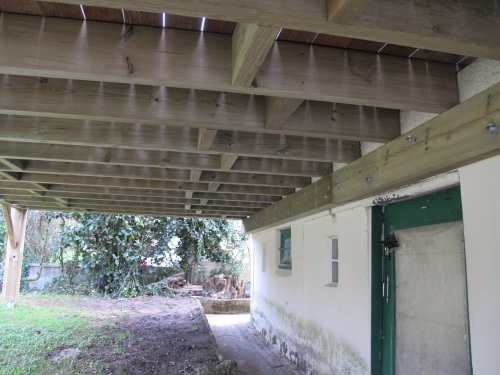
492 128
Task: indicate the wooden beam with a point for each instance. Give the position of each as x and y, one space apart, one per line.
65 191
14 254
227 161
345 11
251 44
195 175
177 107
46 47
161 174
465 134
159 208
11 176
151 184
474 35
278 110
149 158
213 187
206 138
15 165
22 195
8 225
156 209
178 139
138 211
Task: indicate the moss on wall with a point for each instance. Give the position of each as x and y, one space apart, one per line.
306 344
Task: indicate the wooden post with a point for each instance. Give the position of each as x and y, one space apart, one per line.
15 220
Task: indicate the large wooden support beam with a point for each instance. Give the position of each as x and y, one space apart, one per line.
46 47
162 174
345 11
131 183
64 190
179 107
24 196
179 139
251 44
466 133
462 27
151 158
9 226
16 228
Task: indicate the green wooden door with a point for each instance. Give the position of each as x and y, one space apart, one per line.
428 211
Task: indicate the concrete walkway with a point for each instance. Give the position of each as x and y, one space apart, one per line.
238 340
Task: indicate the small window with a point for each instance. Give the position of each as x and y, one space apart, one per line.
285 249
335 260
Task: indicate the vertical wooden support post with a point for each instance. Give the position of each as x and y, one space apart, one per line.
15 221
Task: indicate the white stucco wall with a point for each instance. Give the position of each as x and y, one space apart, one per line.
327 328
318 325
480 184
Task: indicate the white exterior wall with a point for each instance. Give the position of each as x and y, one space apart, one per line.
481 208
318 325
326 329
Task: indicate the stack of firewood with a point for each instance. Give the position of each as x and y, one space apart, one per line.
178 284
224 286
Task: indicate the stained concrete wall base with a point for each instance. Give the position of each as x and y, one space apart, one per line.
225 306
224 368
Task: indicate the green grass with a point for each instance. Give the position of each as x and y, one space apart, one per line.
29 335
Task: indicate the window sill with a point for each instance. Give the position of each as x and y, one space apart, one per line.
332 285
285 267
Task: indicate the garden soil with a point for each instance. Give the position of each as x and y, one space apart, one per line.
147 335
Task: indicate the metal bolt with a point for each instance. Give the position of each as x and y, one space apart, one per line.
368 179
282 151
337 185
492 128
409 138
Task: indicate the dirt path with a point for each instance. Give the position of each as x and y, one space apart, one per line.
147 335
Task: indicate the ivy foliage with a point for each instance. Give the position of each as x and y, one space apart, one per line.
196 240
112 248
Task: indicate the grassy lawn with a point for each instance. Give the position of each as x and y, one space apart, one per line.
29 336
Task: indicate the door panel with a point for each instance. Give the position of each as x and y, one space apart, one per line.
419 291
431 305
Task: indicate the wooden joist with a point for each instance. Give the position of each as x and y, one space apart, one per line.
467 28
63 190
150 184
465 134
161 174
162 159
250 46
178 139
46 47
278 110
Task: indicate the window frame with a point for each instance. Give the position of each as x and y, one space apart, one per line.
334 260
285 234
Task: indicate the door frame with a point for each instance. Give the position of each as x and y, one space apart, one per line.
436 208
